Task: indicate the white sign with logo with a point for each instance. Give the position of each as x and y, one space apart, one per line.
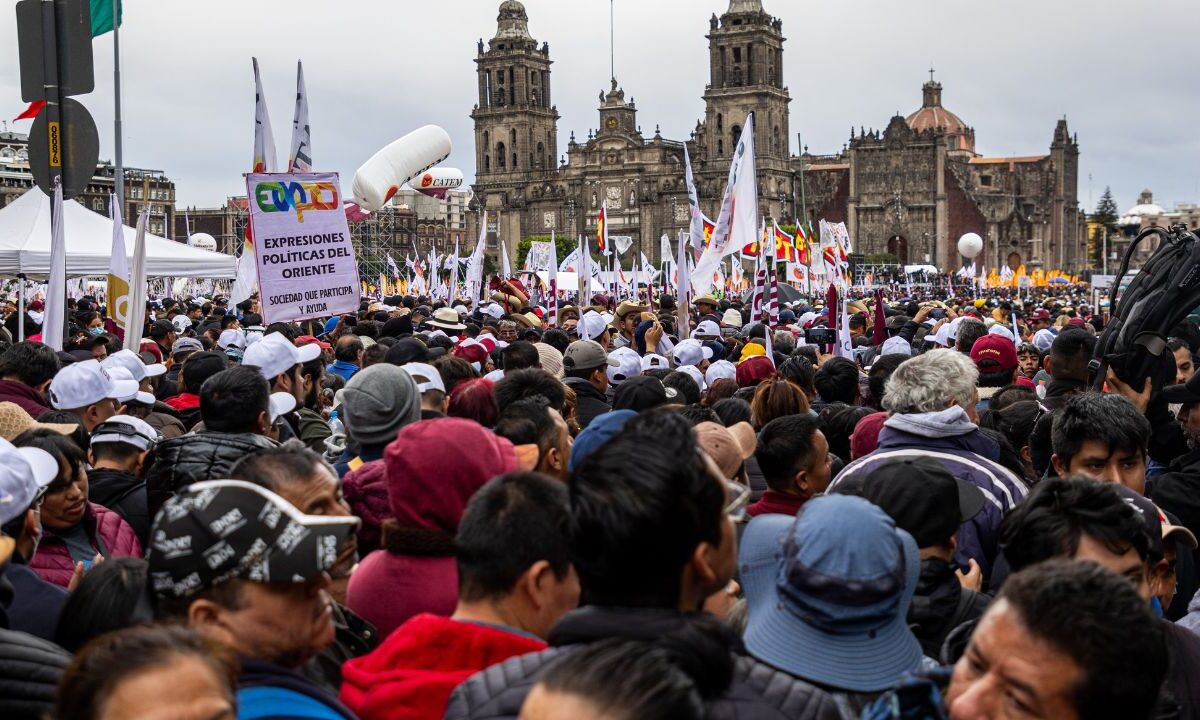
306 263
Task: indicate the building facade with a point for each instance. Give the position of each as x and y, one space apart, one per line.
908 191
143 188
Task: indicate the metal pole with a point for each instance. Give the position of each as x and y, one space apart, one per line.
118 164
1104 250
50 72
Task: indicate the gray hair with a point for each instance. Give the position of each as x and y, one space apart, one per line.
783 342
931 382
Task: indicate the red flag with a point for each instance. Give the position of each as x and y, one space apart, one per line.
831 306
32 111
880 322
602 227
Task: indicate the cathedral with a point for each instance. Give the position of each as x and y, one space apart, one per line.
906 192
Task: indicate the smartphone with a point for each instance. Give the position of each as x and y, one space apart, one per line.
821 336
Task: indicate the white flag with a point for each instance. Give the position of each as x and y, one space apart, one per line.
571 262
117 291
56 289
475 262
696 217
137 286
585 275
264 139
664 252
683 286
300 155
392 266
453 273
622 243
505 267
737 224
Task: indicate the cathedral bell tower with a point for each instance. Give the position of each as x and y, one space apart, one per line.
516 126
745 47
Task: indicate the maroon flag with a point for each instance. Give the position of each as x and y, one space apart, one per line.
880 322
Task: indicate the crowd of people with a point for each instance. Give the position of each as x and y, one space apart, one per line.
505 510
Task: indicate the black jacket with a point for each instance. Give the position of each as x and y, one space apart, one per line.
758 690
941 604
123 493
181 461
36 604
589 402
29 671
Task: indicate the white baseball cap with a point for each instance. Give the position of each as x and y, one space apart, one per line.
895 346
494 310
281 403
181 323
129 360
654 361
1002 330
629 364
275 355
425 376
1043 339
695 374
23 474
720 369
707 329
691 352
86 383
591 325
119 373
231 338
125 429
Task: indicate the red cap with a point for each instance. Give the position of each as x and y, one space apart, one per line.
994 353
753 370
474 353
1040 314
310 339
1076 322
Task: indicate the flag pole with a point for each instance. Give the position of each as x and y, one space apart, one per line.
118 164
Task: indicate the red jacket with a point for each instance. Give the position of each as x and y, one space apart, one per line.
411 675
29 399
52 561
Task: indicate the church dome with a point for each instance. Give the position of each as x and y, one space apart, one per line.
932 115
512 22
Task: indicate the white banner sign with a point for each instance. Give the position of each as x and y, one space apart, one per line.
306 264
538 257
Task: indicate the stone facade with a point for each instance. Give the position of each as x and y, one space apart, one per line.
143 188
909 190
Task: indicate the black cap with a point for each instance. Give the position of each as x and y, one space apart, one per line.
221 529
1184 394
161 328
642 393
1149 515
921 496
409 350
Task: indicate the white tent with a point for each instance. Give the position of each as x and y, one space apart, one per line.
25 244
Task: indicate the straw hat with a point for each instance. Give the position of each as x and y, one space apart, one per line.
14 421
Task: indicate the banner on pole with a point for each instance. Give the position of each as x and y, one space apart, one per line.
306 265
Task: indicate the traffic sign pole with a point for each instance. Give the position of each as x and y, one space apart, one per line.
53 109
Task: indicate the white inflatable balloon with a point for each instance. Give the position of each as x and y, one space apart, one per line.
380 177
970 245
437 182
202 240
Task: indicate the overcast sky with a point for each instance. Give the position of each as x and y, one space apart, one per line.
376 69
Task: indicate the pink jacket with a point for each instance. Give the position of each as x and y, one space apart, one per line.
52 561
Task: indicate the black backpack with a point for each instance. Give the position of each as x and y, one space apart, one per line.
1158 298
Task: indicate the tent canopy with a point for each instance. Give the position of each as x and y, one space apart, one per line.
25 244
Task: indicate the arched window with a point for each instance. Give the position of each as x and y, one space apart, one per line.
512 136
720 147
720 122
776 146
514 167
487 162
500 155
735 133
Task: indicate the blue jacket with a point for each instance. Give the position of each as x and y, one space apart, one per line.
343 368
271 691
951 438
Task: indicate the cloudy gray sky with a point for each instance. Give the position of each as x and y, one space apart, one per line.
376 69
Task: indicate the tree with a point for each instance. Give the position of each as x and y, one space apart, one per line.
1103 220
